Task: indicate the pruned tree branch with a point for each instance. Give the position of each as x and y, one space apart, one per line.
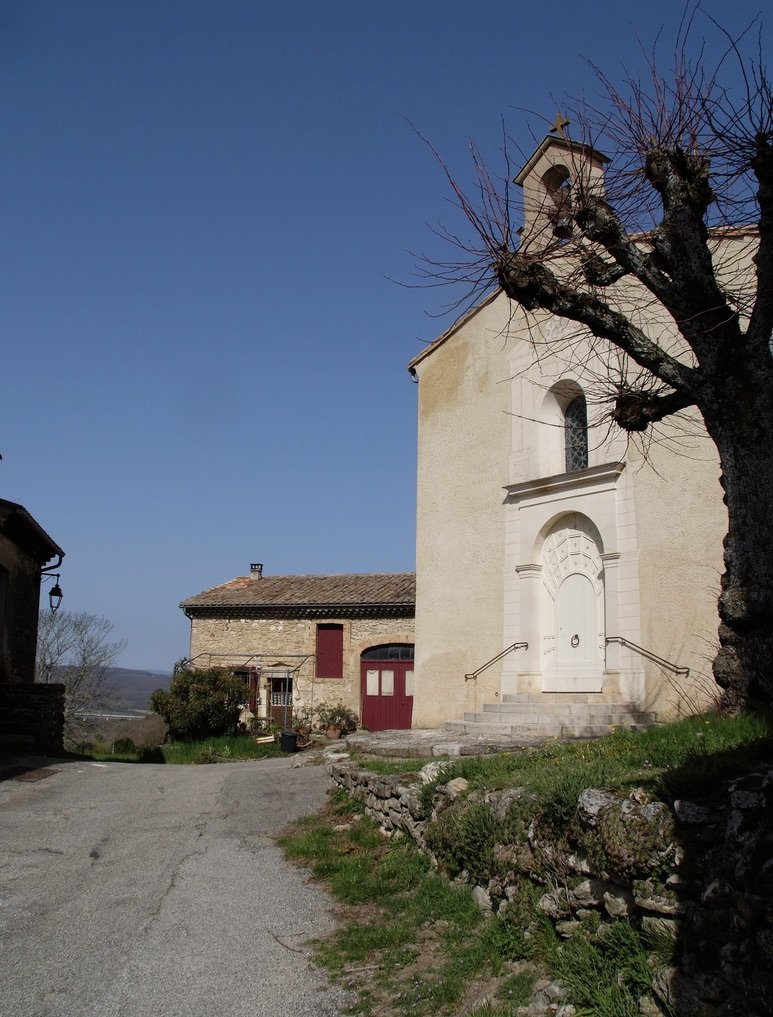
529 282
636 410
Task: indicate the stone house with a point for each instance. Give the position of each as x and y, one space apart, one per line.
301 641
31 715
567 577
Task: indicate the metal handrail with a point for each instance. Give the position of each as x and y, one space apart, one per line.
649 654
499 656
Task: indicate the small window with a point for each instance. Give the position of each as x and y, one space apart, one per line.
282 690
410 684
330 651
576 435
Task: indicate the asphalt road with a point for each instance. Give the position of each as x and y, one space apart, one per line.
136 891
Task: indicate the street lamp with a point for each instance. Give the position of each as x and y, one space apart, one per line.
55 596
55 593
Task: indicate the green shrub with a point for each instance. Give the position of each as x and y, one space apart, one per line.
200 703
337 715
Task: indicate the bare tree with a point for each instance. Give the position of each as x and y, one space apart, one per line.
681 228
74 648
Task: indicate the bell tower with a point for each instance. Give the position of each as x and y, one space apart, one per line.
558 175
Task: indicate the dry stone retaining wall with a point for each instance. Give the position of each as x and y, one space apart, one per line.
699 876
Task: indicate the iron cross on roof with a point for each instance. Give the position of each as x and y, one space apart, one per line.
559 125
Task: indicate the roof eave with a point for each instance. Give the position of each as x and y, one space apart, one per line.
553 141
20 527
459 323
200 610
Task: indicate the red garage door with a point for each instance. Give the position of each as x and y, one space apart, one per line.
387 687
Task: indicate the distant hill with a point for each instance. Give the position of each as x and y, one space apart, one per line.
130 689
127 689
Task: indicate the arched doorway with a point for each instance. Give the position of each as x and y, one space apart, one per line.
573 607
386 683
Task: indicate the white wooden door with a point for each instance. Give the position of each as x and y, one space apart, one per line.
573 607
576 622
577 666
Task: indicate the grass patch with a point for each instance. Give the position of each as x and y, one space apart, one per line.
686 759
224 749
516 990
606 977
689 759
410 941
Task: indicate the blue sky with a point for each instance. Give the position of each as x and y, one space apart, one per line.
204 207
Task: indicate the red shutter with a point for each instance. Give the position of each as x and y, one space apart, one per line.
330 651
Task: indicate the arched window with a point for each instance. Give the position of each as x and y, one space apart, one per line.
576 435
389 651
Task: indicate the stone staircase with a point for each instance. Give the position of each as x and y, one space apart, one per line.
551 715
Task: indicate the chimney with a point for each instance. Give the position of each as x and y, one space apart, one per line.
256 570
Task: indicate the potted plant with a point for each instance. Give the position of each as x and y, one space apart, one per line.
303 721
336 719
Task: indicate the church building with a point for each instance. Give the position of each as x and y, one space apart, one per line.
567 574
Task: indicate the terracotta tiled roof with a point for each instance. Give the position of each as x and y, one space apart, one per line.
390 593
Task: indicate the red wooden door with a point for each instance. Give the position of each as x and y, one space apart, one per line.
386 694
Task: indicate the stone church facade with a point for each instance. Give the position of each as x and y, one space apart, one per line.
584 564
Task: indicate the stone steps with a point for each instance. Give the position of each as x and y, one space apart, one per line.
506 710
591 698
549 715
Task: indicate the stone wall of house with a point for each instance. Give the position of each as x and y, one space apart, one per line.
19 604
367 632
32 717
697 876
237 639
264 642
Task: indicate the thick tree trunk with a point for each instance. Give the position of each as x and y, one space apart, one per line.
743 432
